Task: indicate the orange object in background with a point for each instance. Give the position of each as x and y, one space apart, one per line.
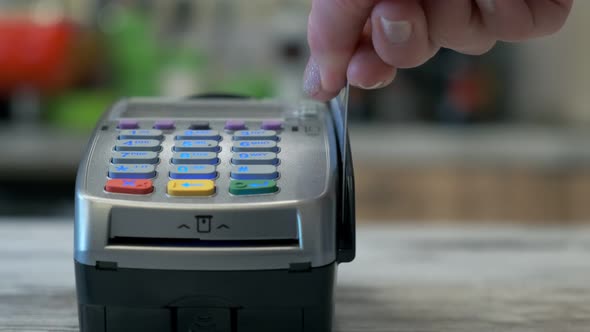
35 55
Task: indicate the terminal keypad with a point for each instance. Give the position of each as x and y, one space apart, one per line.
192 170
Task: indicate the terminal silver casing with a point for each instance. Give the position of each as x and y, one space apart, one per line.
303 211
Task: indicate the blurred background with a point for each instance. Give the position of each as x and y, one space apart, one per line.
498 138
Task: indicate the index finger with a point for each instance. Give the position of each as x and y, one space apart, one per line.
334 31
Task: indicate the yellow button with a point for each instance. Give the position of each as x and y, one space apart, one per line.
191 188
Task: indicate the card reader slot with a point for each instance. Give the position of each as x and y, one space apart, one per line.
198 243
186 225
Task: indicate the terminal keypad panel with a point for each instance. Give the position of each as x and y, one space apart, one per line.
192 169
203 174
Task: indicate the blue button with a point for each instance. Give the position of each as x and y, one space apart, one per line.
254 158
200 157
196 145
255 146
198 134
254 172
242 135
141 134
138 145
196 172
132 171
135 157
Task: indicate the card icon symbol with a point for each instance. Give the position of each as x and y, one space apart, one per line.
204 224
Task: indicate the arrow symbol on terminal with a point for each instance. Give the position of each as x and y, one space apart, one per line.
223 226
185 226
186 184
256 185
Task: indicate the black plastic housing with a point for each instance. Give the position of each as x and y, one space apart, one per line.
113 300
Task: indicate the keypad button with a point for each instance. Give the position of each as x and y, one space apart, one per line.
196 145
272 124
198 134
254 172
141 134
252 187
128 124
129 186
255 146
164 124
191 188
199 125
235 125
242 135
138 145
254 158
132 171
193 172
195 158
134 157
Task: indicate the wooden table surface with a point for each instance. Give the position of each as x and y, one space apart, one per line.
405 279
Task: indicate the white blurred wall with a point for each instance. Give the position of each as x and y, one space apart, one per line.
552 74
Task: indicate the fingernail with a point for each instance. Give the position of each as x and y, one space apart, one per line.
378 85
373 87
397 32
487 5
312 81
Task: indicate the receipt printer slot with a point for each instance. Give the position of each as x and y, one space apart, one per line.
184 227
197 243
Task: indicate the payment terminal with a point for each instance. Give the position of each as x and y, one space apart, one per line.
214 214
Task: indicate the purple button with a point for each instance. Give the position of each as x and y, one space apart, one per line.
128 124
235 125
164 124
272 124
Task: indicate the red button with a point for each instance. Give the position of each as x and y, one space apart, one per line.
129 186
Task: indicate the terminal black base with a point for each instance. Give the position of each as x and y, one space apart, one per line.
113 300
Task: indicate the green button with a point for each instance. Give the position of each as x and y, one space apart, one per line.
252 187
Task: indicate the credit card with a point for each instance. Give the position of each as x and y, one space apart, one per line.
339 107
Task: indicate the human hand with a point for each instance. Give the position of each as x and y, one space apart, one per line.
365 41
